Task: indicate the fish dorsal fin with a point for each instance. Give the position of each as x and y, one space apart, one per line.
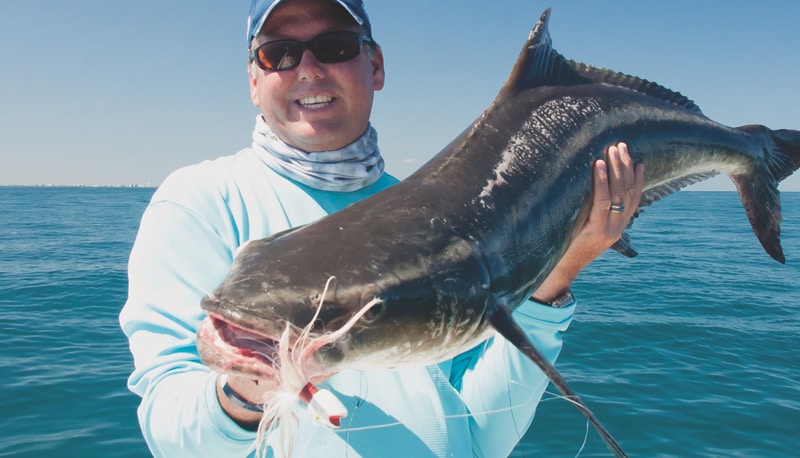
541 65
643 86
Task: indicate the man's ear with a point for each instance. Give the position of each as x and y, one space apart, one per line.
252 74
378 70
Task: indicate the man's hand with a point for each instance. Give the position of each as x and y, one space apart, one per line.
618 187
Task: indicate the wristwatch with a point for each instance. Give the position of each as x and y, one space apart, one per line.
564 300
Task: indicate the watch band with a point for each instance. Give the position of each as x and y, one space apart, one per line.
564 300
236 399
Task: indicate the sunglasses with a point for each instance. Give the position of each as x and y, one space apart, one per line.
328 48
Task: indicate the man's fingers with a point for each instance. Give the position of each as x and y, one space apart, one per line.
623 182
602 197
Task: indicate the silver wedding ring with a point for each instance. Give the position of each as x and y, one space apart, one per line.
617 208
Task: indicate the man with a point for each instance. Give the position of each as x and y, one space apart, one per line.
313 74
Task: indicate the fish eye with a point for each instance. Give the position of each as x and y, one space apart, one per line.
373 313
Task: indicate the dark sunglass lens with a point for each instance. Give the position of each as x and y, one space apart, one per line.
336 47
328 48
280 55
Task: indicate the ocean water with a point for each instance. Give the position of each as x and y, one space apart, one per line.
690 349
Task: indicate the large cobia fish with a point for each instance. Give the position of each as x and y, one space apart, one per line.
433 265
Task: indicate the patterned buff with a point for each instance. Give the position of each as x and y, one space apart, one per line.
351 168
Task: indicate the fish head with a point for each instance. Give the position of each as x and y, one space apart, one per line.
344 309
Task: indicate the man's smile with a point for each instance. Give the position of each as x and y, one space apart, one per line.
315 102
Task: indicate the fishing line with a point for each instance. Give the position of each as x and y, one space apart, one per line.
554 396
585 439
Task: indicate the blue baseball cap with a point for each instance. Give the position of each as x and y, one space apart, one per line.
261 9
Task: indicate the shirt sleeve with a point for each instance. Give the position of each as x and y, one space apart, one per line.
176 256
500 386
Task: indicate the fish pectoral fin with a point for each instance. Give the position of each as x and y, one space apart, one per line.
504 323
624 246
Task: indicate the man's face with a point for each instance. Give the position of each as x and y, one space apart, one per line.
316 106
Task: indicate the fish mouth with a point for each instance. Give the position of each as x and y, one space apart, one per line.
227 342
229 348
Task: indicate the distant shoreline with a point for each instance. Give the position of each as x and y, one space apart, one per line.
126 186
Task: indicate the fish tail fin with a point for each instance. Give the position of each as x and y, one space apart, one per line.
758 189
504 323
786 158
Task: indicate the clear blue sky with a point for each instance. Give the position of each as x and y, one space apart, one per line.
123 92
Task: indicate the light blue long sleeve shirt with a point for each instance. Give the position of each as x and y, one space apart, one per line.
477 404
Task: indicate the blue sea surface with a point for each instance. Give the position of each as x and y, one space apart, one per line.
689 349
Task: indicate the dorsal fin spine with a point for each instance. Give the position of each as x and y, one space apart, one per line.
541 65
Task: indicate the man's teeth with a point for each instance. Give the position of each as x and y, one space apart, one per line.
316 101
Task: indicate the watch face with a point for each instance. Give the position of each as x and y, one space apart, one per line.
563 300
